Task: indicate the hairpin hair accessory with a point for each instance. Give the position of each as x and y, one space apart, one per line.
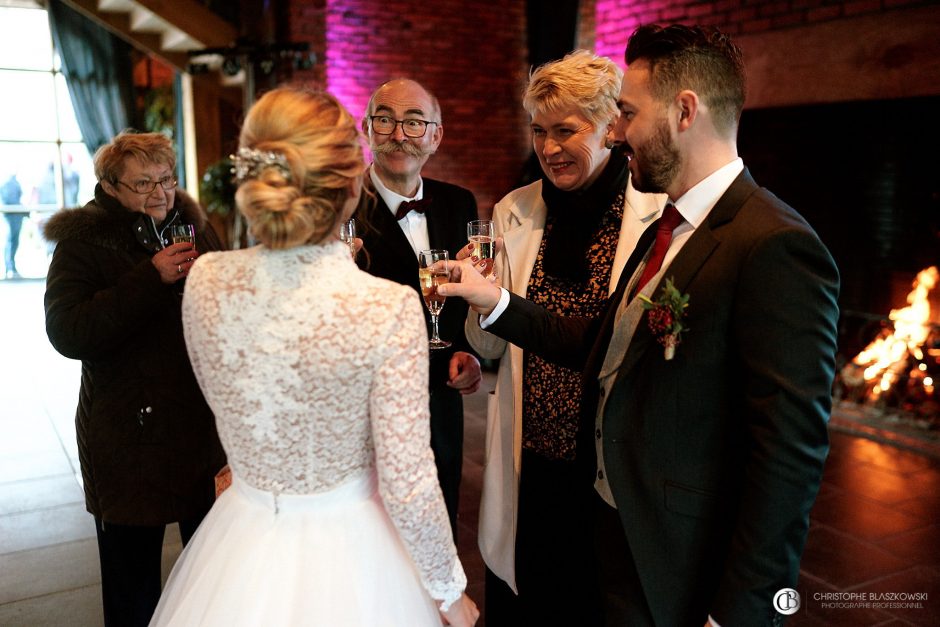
250 163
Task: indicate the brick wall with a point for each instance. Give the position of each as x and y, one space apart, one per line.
472 57
616 19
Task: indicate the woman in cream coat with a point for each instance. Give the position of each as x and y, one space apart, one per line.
536 564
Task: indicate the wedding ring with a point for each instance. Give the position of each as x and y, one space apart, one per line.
179 269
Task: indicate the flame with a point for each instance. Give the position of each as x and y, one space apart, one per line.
885 359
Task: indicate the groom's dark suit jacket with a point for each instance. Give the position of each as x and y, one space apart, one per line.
714 458
387 254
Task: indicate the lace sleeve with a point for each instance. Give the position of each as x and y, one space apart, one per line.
407 475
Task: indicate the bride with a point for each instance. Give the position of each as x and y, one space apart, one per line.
317 375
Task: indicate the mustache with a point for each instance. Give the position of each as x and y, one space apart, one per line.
406 147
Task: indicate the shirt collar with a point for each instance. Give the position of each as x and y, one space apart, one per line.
695 204
393 199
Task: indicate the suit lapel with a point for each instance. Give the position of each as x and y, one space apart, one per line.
596 358
446 229
388 243
687 263
439 224
521 242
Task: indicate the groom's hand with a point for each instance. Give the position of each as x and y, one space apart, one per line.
481 293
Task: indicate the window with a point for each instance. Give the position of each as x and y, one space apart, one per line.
41 147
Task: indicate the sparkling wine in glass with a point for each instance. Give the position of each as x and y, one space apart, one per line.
483 237
180 233
347 233
433 272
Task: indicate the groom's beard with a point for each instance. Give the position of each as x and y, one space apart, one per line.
656 162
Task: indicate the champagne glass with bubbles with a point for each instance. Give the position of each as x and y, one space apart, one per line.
482 235
433 272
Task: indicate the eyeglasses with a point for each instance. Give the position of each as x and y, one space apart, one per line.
147 187
412 127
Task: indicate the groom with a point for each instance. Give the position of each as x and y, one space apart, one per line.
706 463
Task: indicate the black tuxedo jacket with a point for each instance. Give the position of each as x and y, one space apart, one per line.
387 254
714 458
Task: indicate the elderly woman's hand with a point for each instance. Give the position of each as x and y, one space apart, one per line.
174 261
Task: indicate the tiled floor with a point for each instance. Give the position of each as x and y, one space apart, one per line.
874 529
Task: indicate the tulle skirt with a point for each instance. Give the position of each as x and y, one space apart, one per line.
333 559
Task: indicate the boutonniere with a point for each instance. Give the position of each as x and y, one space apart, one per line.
665 317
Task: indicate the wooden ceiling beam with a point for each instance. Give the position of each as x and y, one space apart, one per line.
190 17
193 19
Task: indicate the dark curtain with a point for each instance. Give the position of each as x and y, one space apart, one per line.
97 67
180 134
552 29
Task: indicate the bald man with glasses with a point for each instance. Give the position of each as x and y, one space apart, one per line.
409 214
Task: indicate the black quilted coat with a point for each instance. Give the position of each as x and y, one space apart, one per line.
146 438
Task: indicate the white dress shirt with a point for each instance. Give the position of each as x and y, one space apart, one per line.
414 225
694 206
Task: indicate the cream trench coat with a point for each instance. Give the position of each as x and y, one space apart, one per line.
519 218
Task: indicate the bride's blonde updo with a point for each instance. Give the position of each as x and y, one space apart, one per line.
299 151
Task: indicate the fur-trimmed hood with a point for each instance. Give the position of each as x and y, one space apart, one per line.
106 222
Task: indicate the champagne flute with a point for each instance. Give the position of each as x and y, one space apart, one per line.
483 237
432 272
347 233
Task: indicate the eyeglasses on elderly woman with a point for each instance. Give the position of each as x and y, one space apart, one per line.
146 186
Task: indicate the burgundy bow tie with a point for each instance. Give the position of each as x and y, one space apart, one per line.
412 205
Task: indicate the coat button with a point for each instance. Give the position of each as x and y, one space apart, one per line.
600 474
597 434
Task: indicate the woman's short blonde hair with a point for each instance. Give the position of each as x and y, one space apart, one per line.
147 148
322 148
582 80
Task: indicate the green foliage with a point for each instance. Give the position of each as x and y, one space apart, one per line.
217 187
160 110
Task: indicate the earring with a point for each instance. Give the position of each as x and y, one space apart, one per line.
609 145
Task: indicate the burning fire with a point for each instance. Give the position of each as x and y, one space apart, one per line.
886 359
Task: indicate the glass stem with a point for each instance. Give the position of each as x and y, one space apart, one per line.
434 334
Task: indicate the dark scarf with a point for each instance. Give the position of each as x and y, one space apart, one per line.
575 217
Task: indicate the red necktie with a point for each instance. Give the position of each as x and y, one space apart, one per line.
412 205
666 225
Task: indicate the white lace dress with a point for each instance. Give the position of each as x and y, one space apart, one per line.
317 374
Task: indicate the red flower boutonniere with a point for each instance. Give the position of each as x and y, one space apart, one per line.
665 317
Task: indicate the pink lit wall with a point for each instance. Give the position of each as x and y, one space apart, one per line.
466 52
472 55
773 27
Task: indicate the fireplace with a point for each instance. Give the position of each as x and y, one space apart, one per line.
866 175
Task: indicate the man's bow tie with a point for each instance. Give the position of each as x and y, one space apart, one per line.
412 205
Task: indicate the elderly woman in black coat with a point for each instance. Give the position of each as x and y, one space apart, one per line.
147 440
